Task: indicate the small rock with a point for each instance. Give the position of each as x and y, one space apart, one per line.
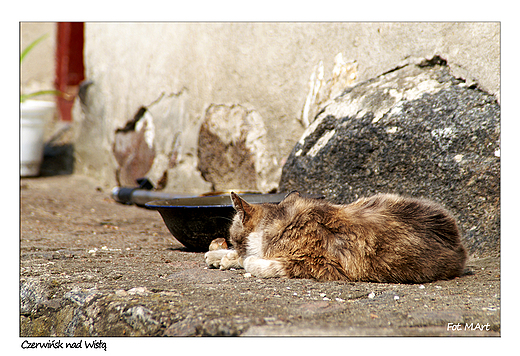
371 295
489 309
121 292
138 291
247 275
270 320
115 275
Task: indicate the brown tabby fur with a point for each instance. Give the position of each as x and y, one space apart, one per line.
384 238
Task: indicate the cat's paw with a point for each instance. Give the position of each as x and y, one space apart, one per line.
231 260
263 268
213 258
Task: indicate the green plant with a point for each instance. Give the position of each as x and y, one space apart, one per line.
27 49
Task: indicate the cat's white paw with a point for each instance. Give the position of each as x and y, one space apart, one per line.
213 258
231 260
263 268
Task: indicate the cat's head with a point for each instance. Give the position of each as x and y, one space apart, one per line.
264 218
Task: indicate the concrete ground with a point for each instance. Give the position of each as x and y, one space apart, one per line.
92 267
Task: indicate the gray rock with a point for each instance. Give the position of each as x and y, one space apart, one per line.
186 327
32 295
140 317
81 297
416 131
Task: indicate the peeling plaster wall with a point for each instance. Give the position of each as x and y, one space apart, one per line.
178 70
37 72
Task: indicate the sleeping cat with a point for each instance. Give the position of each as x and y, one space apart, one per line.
384 238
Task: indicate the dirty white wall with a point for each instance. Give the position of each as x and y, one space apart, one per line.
179 69
38 69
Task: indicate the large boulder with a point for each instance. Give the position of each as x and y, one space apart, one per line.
417 131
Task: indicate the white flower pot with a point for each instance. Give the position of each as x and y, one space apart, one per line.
34 116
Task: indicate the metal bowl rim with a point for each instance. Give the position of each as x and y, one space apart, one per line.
165 206
169 204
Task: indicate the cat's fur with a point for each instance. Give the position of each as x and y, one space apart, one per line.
384 238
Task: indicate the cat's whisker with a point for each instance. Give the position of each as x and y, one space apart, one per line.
224 218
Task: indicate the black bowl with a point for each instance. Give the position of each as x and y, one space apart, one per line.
195 222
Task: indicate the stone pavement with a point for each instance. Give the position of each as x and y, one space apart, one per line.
93 267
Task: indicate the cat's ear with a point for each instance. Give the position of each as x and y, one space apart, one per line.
242 207
292 196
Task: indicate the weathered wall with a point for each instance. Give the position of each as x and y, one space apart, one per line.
37 72
179 70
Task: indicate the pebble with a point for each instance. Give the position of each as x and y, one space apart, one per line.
396 297
247 275
371 295
121 292
421 287
138 291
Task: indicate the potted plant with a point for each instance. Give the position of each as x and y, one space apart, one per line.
34 115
